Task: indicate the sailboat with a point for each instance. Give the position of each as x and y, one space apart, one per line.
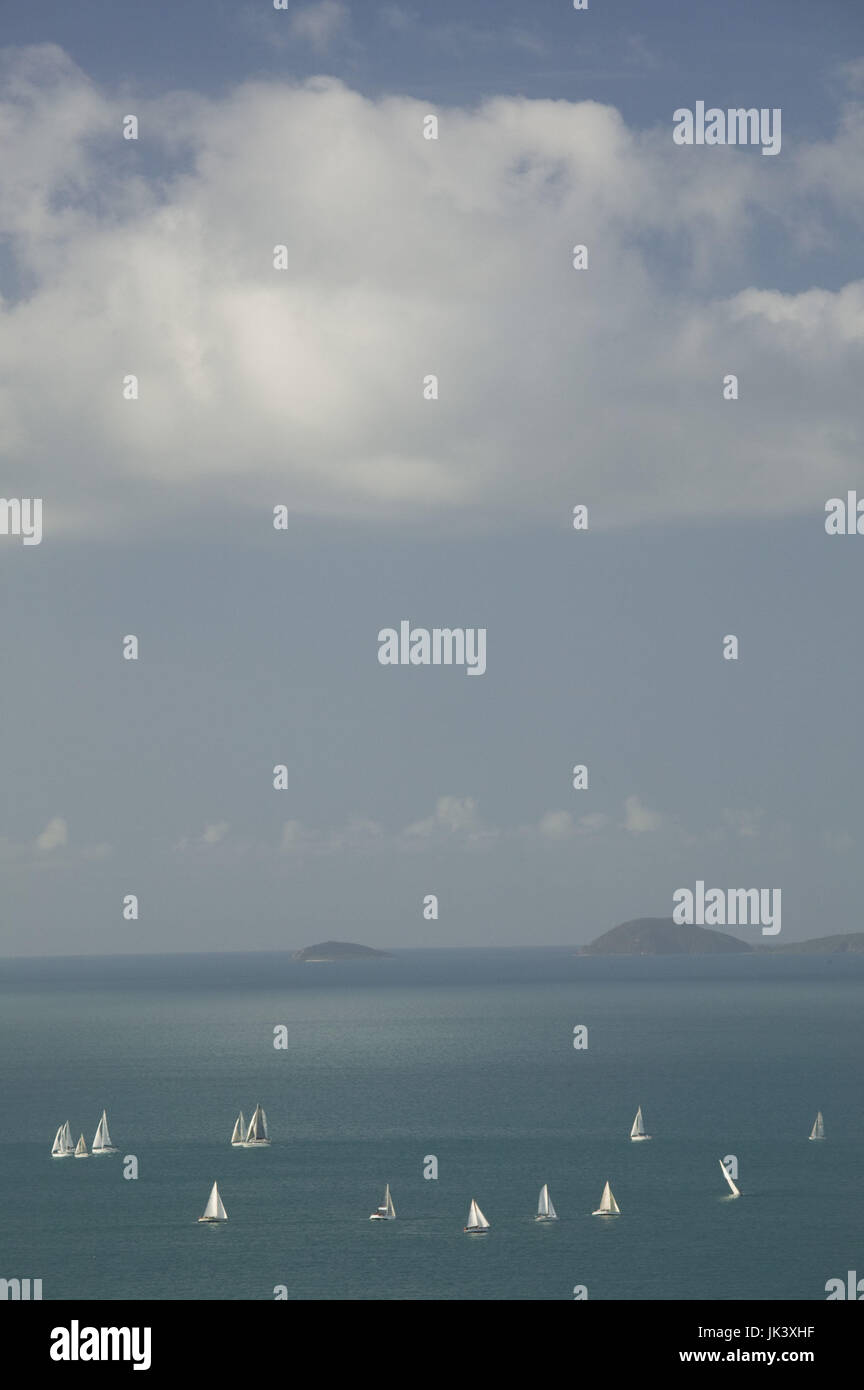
102 1140
387 1211
238 1134
81 1150
608 1206
256 1134
545 1209
818 1130
214 1210
637 1130
476 1220
63 1146
735 1192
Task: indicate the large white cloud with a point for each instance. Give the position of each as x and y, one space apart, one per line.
407 257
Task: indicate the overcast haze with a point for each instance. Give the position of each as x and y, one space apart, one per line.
303 387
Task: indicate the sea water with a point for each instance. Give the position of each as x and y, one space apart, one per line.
466 1057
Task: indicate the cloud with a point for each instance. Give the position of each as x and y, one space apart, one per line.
319 24
50 849
408 257
638 819
54 836
211 835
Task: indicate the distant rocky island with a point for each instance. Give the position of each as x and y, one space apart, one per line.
338 950
660 936
848 942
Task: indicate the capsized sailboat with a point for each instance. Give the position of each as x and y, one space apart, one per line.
476 1220
387 1211
238 1134
735 1192
256 1134
608 1206
214 1210
63 1146
102 1140
545 1209
637 1130
818 1130
81 1150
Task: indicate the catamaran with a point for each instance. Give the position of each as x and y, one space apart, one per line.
735 1192
476 1220
818 1130
63 1146
238 1135
256 1134
387 1211
608 1206
81 1150
637 1130
214 1210
545 1209
102 1141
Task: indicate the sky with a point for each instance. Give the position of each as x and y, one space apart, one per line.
303 387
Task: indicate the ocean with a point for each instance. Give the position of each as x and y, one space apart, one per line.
465 1056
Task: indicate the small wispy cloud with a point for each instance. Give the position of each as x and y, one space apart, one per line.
319 24
54 836
638 819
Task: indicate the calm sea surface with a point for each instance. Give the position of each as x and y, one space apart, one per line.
465 1055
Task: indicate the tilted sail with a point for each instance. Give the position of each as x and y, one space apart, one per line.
238 1134
818 1130
638 1128
214 1210
257 1131
476 1217
62 1145
735 1192
102 1141
81 1150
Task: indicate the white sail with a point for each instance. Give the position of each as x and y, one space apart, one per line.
257 1131
389 1208
818 1130
608 1206
81 1150
102 1141
62 1146
238 1134
735 1192
476 1220
637 1130
545 1209
214 1210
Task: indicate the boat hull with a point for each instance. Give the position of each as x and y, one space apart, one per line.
475 1230
639 1138
97 1153
545 1218
212 1220
605 1213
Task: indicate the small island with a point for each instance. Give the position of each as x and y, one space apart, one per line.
337 950
660 936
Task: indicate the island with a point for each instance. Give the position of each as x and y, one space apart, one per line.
660 936
847 943
337 950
